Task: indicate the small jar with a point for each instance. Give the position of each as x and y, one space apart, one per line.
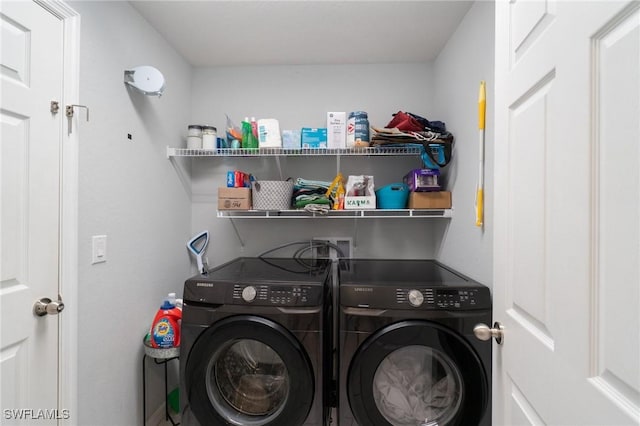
194 137
209 137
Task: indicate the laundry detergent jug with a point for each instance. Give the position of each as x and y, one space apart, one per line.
165 329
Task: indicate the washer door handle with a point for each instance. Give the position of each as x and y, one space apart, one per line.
484 332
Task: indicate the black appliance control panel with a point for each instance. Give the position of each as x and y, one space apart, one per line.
276 295
421 298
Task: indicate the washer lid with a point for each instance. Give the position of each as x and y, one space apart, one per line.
401 272
259 270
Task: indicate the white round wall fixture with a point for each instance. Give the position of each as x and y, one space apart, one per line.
146 79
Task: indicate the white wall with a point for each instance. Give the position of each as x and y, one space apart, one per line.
465 61
300 96
130 192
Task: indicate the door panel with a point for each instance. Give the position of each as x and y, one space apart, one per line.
522 412
528 20
567 237
31 77
617 160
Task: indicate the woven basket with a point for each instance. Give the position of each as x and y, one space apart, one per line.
272 194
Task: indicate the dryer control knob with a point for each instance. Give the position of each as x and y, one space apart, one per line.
249 293
415 297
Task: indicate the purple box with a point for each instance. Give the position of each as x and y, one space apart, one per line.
422 180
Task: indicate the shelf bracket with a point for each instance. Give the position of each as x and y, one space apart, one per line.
279 167
235 228
337 164
355 232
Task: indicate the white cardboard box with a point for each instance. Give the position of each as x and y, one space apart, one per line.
336 130
367 202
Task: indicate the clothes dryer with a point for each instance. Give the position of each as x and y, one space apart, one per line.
255 344
408 355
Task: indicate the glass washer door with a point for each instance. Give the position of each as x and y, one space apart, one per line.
417 385
247 370
249 376
417 373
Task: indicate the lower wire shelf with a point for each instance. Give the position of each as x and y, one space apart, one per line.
337 214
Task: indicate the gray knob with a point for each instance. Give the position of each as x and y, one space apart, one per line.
416 297
249 293
484 332
46 306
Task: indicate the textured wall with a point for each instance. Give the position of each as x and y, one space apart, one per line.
300 96
463 63
133 194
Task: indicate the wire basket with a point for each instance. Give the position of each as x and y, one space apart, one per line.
272 194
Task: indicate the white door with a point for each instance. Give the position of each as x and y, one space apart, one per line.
567 213
31 77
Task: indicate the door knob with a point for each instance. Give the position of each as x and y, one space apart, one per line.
484 332
46 306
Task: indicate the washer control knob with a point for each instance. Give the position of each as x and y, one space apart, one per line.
416 297
249 293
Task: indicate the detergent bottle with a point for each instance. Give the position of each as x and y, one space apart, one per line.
165 330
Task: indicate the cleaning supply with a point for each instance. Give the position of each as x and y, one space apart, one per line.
254 127
269 133
165 329
197 245
249 141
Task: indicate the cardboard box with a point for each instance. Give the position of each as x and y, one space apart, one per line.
313 138
422 180
367 202
234 198
336 129
430 200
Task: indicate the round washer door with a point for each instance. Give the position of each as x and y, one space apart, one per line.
248 370
417 373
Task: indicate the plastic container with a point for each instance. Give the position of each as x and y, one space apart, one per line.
248 140
194 137
209 137
393 196
165 329
357 129
269 133
254 127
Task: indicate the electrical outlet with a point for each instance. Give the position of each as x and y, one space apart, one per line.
344 247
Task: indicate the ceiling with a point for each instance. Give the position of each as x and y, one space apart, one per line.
271 32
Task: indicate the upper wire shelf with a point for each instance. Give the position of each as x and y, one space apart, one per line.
338 214
287 152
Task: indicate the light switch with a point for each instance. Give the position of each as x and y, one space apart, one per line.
99 249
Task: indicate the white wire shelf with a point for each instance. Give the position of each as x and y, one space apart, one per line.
337 214
278 152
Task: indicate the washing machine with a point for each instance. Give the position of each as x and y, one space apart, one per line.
255 342
408 355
